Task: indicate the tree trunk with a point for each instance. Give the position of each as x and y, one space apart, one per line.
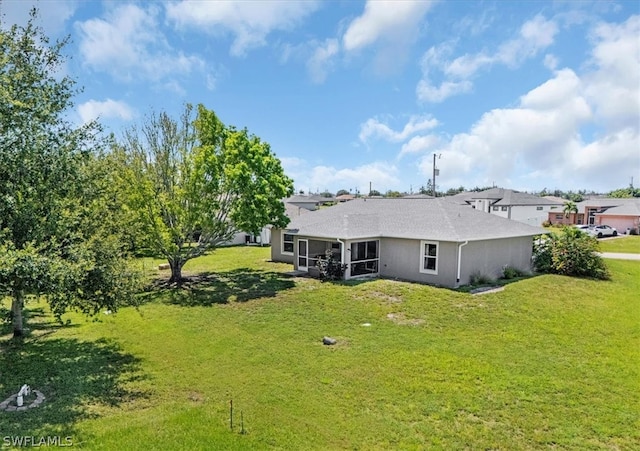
17 303
176 271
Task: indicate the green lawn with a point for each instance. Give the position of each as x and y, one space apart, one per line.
626 244
550 362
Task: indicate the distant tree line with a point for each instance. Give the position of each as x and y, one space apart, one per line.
570 195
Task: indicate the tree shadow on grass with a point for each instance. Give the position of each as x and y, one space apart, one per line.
76 377
238 285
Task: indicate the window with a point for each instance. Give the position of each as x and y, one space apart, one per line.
287 243
364 258
496 208
539 208
559 217
504 208
429 257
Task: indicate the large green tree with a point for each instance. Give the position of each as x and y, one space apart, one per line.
53 237
195 182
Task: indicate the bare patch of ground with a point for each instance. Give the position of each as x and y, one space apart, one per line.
401 319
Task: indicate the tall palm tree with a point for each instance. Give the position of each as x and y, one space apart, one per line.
570 207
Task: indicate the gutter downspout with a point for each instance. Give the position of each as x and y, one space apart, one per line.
460 260
342 250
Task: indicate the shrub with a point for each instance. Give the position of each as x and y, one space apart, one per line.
546 223
509 272
480 279
330 268
572 253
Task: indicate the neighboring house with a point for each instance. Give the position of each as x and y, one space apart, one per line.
510 204
620 213
306 202
431 241
625 217
345 197
294 207
263 238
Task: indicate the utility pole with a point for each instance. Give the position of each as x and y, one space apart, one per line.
435 172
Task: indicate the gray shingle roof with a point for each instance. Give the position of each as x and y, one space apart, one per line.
293 211
301 199
503 196
606 202
432 219
631 208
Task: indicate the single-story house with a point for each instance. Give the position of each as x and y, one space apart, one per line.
431 241
293 209
345 197
620 213
302 201
506 203
625 217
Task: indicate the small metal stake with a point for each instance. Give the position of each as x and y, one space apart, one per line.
231 413
242 431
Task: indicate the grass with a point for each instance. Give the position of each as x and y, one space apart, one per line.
627 244
549 362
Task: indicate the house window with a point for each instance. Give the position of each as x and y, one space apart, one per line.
539 208
429 257
364 258
559 217
287 243
504 208
496 208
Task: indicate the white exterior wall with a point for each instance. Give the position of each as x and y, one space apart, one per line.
527 214
483 205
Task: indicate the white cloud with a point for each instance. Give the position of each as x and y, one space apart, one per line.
535 35
419 144
107 109
391 26
427 92
128 44
373 128
321 62
385 21
382 176
542 139
250 22
610 160
614 85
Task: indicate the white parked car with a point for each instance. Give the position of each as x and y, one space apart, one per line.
602 230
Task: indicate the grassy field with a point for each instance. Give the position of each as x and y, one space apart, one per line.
628 244
550 362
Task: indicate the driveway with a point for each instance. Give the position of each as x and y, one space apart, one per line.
619 256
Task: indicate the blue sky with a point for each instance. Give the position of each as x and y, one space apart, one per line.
520 94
